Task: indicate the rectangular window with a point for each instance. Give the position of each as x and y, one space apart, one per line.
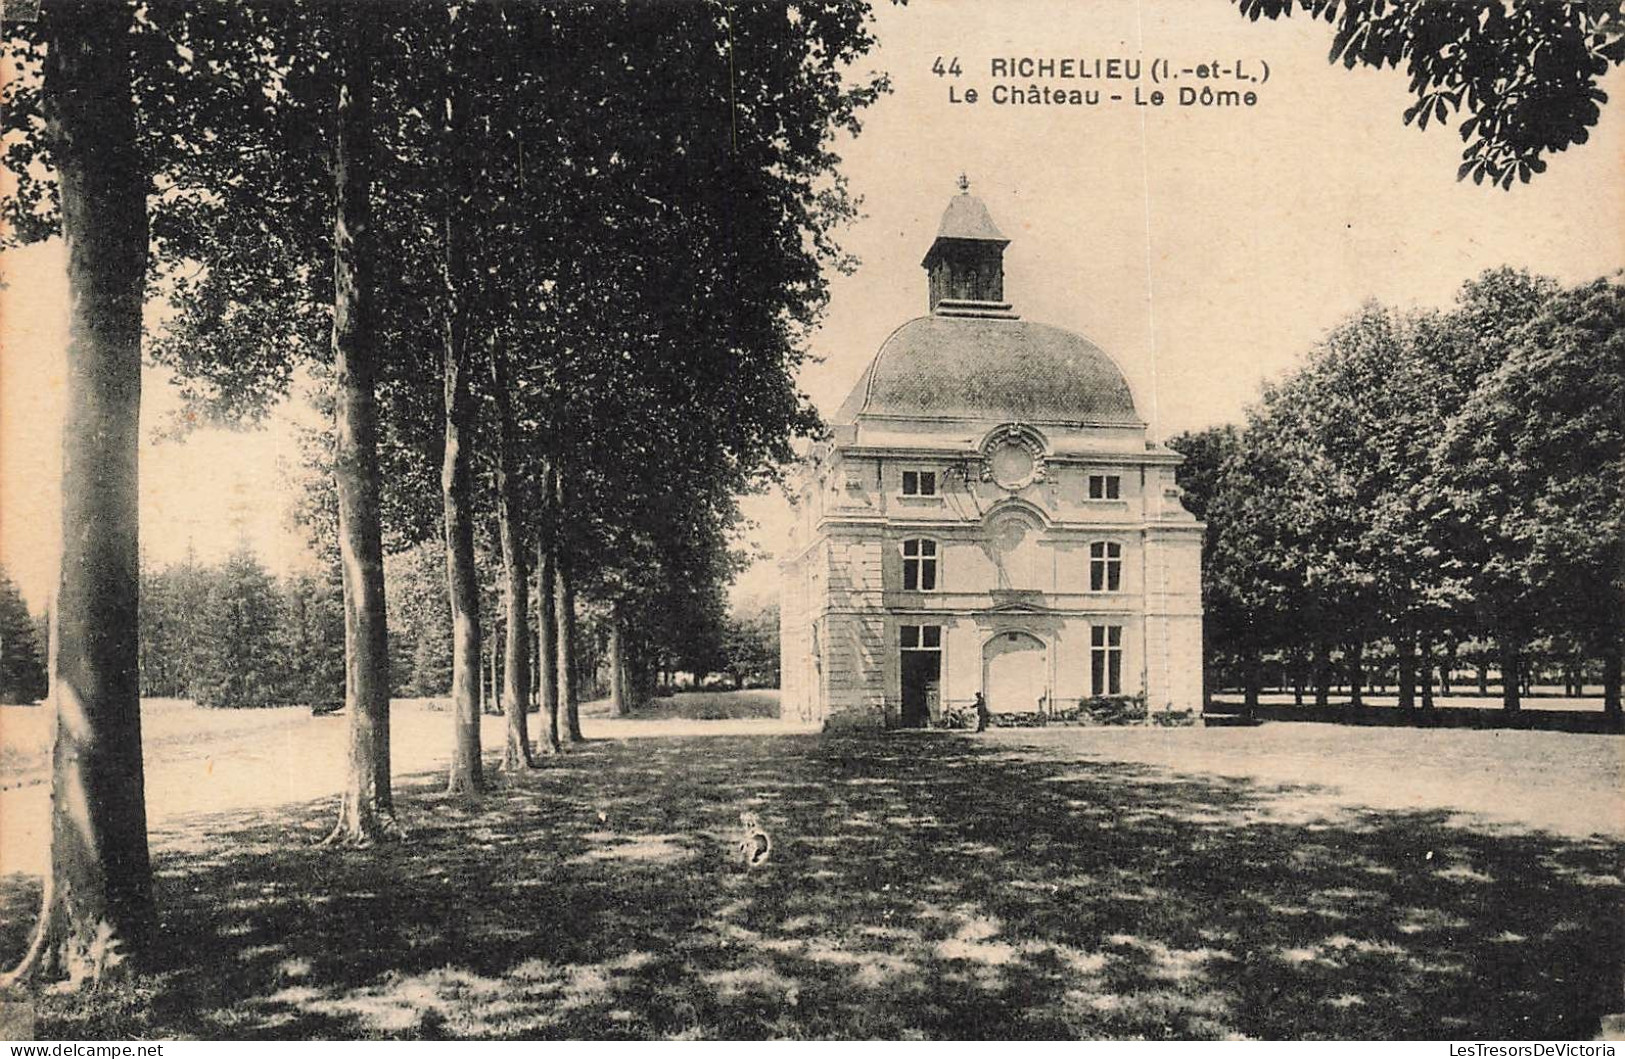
919 483
921 637
1105 566
1106 659
1105 486
919 565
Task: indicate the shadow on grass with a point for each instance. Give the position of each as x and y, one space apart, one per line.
922 885
1598 722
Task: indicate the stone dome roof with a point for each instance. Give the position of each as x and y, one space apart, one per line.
987 367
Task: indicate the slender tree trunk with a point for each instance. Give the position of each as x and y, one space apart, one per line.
1323 674
97 911
1356 674
366 811
1447 669
1254 678
564 615
1427 672
516 644
1483 677
1611 670
1511 674
461 577
496 703
1405 651
456 485
569 694
547 644
617 660
535 661
564 654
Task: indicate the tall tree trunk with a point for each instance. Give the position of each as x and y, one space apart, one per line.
494 705
1405 652
1611 671
516 584
1252 680
1483 677
564 615
617 666
456 471
1447 669
569 706
366 812
1427 672
1323 674
456 484
1511 673
547 644
461 578
97 906
535 661
564 655
1356 674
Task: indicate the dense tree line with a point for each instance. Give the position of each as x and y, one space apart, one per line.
232 635
1430 490
22 648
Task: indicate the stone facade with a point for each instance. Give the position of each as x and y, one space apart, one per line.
989 516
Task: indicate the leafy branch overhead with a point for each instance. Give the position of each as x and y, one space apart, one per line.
1525 75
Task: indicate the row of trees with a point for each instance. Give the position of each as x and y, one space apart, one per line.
1430 488
233 635
553 262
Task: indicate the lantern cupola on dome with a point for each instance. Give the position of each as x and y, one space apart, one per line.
966 262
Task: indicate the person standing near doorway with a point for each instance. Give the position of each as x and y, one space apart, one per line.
983 714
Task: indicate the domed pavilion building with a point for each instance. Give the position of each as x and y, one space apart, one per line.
989 515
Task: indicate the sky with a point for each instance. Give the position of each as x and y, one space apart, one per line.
1205 248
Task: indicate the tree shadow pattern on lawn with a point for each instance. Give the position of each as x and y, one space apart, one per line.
921 886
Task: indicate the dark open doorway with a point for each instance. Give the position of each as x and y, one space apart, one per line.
922 676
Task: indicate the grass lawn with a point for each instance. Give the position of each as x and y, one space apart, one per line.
1287 881
713 706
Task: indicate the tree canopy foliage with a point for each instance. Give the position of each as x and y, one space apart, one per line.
1523 77
1427 480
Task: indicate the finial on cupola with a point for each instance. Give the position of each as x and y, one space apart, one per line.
964 183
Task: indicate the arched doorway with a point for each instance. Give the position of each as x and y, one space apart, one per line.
1015 672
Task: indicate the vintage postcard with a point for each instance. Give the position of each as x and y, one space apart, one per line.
813 521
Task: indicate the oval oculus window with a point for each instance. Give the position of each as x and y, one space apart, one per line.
1012 465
